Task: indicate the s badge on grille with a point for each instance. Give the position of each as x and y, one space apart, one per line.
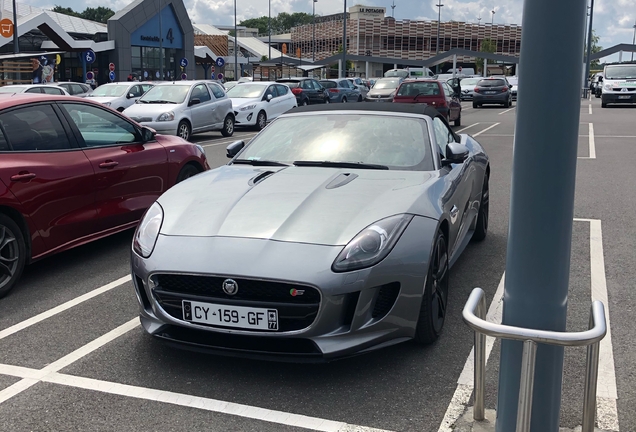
296 292
230 287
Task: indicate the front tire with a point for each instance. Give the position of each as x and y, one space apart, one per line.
435 298
261 120
360 98
228 126
344 100
184 130
481 228
187 172
12 254
475 105
458 121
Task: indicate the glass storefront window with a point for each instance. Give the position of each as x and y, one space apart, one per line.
146 63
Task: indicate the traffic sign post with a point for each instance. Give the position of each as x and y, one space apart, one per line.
6 27
220 76
111 76
183 62
184 76
111 67
220 62
90 56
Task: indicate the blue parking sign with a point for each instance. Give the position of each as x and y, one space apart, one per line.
220 62
111 75
183 62
90 56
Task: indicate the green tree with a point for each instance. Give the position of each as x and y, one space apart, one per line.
98 14
282 23
595 49
487 46
264 58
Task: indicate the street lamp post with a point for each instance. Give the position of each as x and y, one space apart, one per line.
313 57
344 41
439 21
589 44
634 40
269 31
235 45
16 45
493 17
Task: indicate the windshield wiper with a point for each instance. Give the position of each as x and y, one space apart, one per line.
258 162
161 102
330 164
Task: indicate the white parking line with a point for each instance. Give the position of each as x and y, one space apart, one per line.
467 127
465 381
508 110
61 308
590 108
606 408
226 141
487 129
592 145
34 376
606 393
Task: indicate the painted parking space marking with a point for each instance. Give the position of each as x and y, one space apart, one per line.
467 127
61 308
36 376
607 394
508 110
590 108
487 129
591 143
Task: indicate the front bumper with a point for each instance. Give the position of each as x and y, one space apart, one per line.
245 118
378 98
498 98
618 98
357 311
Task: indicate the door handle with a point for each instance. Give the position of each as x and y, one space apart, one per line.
453 213
24 176
108 164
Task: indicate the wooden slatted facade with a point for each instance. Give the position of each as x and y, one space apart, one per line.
405 39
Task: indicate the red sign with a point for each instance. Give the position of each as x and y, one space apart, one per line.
212 69
6 28
111 67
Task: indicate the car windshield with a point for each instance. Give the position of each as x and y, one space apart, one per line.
328 84
290 84
419 89
389 83
620 72
110 91
170 93
246 91
469 81
11 89
491 83
397 73
397 142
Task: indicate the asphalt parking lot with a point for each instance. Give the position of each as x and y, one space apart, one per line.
73 357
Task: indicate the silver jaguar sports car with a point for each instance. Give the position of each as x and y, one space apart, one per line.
330 234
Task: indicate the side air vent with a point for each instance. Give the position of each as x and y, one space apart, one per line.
341 180
260 177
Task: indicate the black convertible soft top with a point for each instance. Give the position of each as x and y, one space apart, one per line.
408 108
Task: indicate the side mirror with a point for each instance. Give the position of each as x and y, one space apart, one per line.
456 153
234 148
269 97
194 101
130 96
147 134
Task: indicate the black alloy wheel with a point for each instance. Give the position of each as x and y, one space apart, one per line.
481 227
187 172
261 120
435 298
12 254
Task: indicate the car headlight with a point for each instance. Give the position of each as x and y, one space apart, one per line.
148 231
248 107
607 87
201 149
167 116
106 103
372 244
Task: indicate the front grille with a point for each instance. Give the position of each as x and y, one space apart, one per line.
248 289
620 89
386 299
295 312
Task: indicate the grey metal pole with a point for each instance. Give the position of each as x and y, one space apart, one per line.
16 45
161 42
235 45
344 41
439 21
634 40
480 365
313 10
589 45
526 386
269 30
541 208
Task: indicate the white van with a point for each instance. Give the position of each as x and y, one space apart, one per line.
619 84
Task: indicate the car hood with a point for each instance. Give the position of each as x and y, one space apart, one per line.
381 92
149 110
240 102
103 99
316 205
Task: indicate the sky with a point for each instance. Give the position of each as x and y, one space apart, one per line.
613 19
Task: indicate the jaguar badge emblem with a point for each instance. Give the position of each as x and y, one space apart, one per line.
230 287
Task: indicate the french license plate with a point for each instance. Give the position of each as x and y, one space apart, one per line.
490 92
230 316
625 97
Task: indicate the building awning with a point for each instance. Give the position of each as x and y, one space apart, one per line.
432 61
204 54
28 55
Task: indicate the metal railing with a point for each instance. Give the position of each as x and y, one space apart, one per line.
474 315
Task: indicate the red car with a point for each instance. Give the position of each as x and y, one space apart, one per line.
434 93
73 171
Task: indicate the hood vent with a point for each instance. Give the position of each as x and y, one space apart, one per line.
260 177
341 180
